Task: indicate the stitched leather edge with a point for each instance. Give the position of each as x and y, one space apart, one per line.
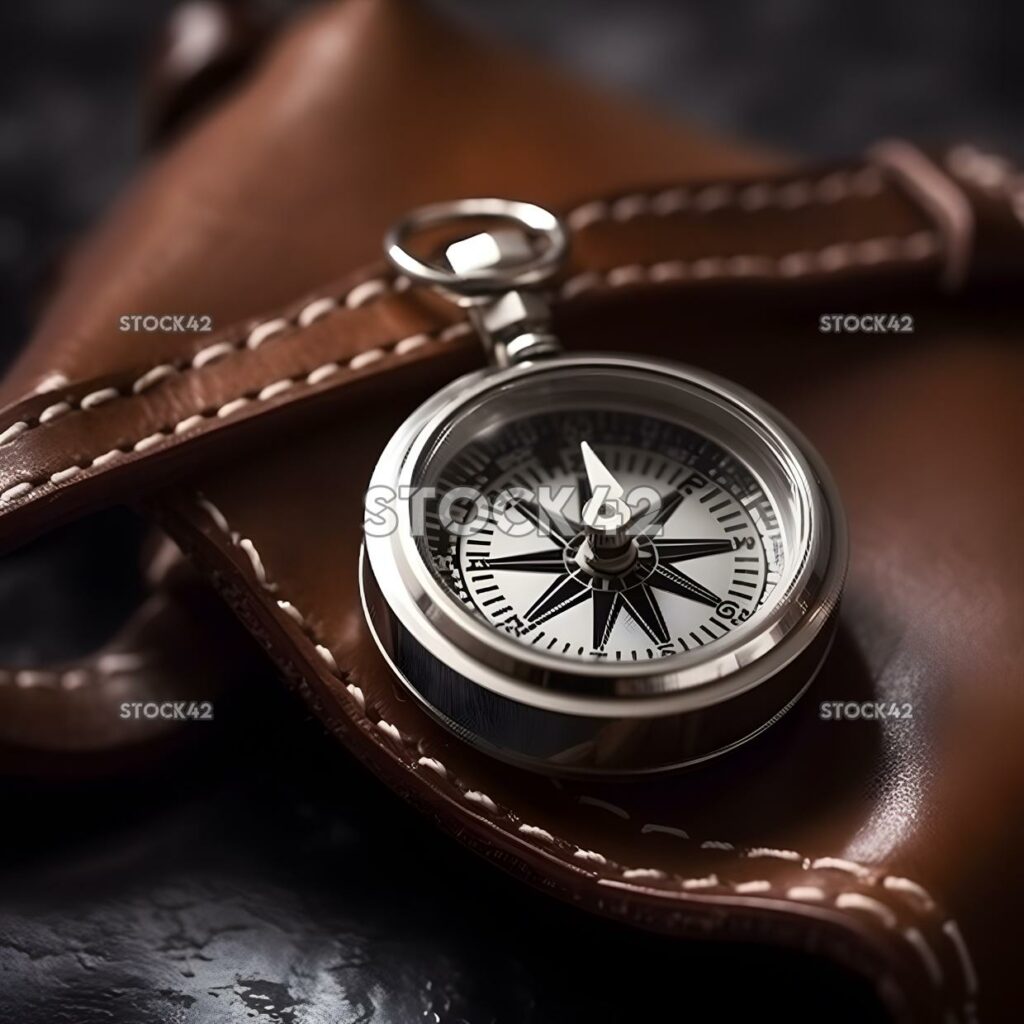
889 898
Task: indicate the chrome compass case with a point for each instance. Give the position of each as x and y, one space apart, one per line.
591 563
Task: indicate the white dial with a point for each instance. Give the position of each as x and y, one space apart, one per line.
695 551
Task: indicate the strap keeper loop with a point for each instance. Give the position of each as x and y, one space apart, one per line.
941 199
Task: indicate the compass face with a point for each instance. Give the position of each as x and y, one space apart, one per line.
506 534
601 563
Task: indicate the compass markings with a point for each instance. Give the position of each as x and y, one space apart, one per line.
564 593
551 560
682 550
682 585
544 449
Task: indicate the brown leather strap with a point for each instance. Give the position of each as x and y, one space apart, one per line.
79 446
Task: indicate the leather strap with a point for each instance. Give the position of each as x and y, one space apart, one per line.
70 448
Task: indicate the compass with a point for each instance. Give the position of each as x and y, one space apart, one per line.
591 563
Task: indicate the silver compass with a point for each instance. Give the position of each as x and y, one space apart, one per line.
591 563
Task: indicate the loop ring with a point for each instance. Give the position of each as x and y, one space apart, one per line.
533 219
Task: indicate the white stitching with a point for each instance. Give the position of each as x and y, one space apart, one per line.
211 354
52 381
327 657
148 379
830 259
51 412
434 765
13 431
667 829
365 358
15 492
931 963
258 334
389 730
316 309
261 332
749 196
322 373
228 409
148 442
361 294
291 611
188 423
46 679
96 398
858 901
894 883
249 548
474 796
707 882
631 874
454 331
952 930
753 886
804 893
769 851
65 474
112 456
413 342
277 388
841 864
533 831
919 245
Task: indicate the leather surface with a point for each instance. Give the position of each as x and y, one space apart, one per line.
865 843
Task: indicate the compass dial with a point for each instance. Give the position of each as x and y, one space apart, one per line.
601 564
508 532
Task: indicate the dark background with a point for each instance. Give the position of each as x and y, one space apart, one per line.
257 875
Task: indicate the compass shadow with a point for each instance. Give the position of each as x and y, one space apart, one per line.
805 782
